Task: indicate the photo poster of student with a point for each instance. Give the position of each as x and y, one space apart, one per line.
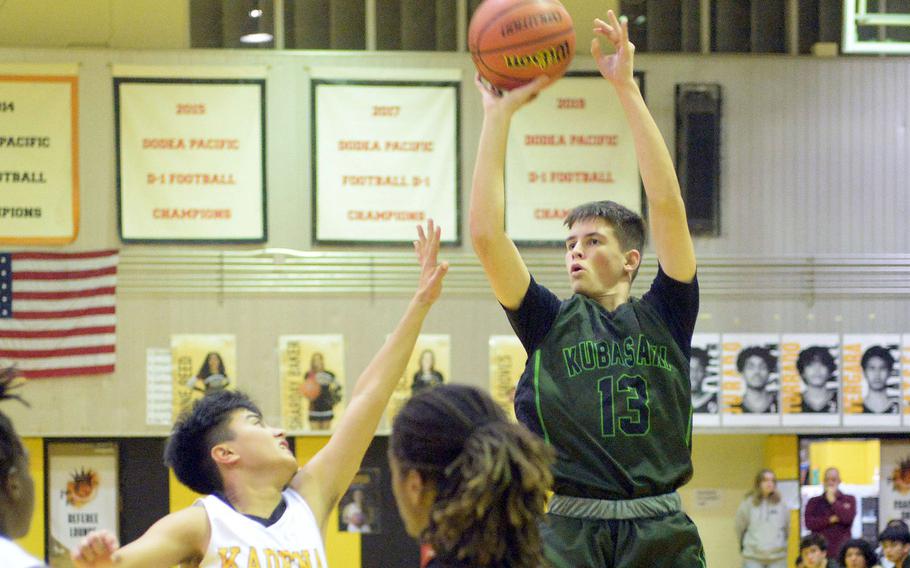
905 372
312 381
872 380
507 362
201 364
894 482
810 379
704 378
360 508
429 366
82 495
751 380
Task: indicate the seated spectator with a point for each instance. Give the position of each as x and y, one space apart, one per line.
858 553
813 550
895 541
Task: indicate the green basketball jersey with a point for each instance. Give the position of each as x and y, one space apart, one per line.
610 392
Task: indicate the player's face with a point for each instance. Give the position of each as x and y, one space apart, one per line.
696 373
594 258
413 497
895 551
756 372
854 558
812 556
876 372
259 445
815 374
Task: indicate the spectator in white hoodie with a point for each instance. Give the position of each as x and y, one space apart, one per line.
763 524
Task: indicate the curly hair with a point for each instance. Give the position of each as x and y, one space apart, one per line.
882 353
755 351
816 354
864 548
492 477
196 432
11 449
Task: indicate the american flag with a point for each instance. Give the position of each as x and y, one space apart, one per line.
57 312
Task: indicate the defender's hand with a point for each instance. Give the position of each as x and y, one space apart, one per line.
432 271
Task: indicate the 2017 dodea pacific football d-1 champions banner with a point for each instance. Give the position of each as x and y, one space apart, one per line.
312 381
570 146
39 154
386 155
201 364
190 154
82 495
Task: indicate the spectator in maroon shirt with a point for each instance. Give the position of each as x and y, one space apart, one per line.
831 513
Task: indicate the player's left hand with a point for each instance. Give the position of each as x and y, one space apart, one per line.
616 68
432 271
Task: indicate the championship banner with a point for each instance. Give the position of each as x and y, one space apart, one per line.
704 379
312 381
905 372
872 380
429 366
810 379
751 380
386 157
39 154
570 146
894 488
190 159
82 495
507 361
201 364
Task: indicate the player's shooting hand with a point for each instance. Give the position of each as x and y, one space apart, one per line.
96 550
617 67
432 271
507 102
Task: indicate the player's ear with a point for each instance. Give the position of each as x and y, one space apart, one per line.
417 489
223 454
633 259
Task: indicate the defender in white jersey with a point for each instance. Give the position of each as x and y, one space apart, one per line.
261 507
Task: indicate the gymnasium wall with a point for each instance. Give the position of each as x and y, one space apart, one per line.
813 163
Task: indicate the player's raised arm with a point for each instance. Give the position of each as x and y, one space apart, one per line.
180 537
324 479
667 211
501 261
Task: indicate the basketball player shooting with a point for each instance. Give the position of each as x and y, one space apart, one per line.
607 378
261 509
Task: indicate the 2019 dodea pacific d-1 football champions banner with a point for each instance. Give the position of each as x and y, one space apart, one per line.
190 154
82 495
39 154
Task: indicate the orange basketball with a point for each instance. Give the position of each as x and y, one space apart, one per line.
311 389
514 41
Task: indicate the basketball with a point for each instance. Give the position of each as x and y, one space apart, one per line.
311 389
514 41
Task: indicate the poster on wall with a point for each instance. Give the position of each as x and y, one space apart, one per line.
905 372
386 157
201 364
570 146
190 156
872 380
810 379
429 366
312 381
894 488
751 380
704 379
82 495
507 362
39 154
360 508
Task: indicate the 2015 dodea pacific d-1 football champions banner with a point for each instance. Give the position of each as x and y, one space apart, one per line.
570 146
82 495
190 154
39 149
385 154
